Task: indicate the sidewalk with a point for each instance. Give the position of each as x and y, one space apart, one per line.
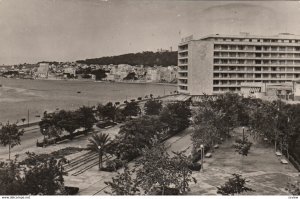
266 174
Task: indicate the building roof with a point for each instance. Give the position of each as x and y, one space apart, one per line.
242 35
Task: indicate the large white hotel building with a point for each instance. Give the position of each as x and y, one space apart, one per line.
221 63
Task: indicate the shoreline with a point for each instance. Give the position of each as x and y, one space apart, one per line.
100 81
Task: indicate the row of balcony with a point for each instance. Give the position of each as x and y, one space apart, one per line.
255 78
256 71
248 44
255 55
256 58
251 63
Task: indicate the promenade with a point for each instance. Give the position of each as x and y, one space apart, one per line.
266 175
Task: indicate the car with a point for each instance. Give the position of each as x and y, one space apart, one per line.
208 155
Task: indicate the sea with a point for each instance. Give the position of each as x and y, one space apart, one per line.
29 99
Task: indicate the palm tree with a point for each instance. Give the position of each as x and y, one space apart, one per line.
99 143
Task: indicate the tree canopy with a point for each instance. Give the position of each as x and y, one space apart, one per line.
145 58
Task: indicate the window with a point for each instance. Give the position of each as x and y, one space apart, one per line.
257 54
216 82
250 40
258 47
257 61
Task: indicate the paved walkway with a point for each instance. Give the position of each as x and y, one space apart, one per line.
261 167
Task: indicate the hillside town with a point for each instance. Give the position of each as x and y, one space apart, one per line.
74 70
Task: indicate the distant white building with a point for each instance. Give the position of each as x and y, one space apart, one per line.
70 71
109 77
152 75
42 71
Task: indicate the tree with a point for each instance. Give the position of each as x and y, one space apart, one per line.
208 124
108 111
130 76
233 108
23 120
10 136
85 117
42 178
99 143
182 164
234 185
67 120
159 173
10 179
124 184
293 189
136 134
49 125
100 74
242 146
176 116
153 107
131 109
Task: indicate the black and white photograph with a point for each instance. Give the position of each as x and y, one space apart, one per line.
102 98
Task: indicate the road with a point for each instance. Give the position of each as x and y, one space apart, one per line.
28 140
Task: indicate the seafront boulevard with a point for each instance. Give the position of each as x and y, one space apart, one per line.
262 167
217 163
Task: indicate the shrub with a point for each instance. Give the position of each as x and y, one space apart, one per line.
71 190
167 191
195 166
114 164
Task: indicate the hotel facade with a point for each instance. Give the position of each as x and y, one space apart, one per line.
217 64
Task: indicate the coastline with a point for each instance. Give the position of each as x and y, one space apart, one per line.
135 82
101 81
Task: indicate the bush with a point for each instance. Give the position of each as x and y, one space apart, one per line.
114 165
195 166
107 169
167 191
71 190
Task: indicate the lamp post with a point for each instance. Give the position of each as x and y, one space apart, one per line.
202 157
44 130
243 134
99 151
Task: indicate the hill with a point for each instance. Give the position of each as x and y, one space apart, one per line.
145 58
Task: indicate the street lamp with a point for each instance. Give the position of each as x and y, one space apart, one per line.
44 130
202 156
243 134
99 149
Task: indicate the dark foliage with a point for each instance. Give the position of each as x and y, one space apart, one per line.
131 76
131 109
145 58
176 116
153 107
234 185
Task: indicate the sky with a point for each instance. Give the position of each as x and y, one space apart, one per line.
70 30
